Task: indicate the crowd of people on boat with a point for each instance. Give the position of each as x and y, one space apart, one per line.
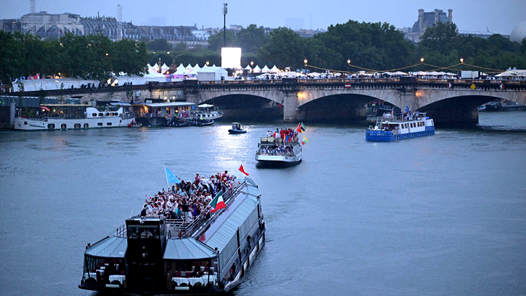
276 150
287 135
188 199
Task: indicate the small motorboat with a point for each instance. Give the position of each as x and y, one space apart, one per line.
236 129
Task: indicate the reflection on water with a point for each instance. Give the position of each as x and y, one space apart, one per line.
440 215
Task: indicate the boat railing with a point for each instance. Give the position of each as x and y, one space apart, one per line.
228 198
182 228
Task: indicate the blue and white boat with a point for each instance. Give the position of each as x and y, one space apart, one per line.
389 129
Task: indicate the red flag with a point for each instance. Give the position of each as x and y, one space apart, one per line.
242 170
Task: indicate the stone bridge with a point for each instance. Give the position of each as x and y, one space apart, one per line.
449 102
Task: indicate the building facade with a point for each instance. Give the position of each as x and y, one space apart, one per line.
426 20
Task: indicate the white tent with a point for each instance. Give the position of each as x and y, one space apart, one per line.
265 69
274 69
512 73
256 69
155 68
248 68
189 67
180 68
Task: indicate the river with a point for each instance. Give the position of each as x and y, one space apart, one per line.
440 215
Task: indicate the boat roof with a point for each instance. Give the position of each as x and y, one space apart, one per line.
109 247
226 225
187 249
66 105
168 104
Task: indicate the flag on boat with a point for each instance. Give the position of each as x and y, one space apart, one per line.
300 128
241 169
171 178
305 140
217 203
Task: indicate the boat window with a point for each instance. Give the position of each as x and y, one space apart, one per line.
51 126
86 125
63 126
94 114
108 123
77 125
25 122
101 114
107 114
99 123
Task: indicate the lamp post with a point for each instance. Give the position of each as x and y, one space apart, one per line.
225 10
421 59
349 62
461 60
207 63
305 61
251 66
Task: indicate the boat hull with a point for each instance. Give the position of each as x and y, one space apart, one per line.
277 160
236 132
388 136
30 124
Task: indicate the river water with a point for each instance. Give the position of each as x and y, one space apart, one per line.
441 215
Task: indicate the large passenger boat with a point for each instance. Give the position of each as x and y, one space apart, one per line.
388 128
276 150
179 252
72 116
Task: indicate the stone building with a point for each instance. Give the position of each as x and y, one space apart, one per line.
426 20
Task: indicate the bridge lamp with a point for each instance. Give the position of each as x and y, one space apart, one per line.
462 60
421 59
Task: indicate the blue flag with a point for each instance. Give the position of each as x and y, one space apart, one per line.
171 178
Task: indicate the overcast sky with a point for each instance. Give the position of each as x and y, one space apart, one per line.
470 15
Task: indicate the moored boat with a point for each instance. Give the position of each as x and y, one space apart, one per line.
72 116
236 129
388 128
173 251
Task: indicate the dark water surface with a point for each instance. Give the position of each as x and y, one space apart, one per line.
441 215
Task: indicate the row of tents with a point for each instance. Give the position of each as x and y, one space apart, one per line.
189 69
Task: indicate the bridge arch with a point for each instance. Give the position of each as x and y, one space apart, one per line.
241 106
343 107
459 107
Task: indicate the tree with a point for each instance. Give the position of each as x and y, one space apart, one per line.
159 45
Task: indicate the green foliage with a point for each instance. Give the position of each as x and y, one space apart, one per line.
93 57
159 44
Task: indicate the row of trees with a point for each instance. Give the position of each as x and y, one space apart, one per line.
370 45
92 57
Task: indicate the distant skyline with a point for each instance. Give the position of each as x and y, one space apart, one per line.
469 15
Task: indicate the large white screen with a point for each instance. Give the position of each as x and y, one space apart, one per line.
231 57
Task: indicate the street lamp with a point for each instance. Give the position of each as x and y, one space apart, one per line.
251 63
207 63
349 62
421 59
305 61
462 60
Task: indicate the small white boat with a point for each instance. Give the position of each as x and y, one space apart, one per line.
236 129
277 152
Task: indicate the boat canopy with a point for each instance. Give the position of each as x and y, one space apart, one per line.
205 106
109 247
224 228
187 249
